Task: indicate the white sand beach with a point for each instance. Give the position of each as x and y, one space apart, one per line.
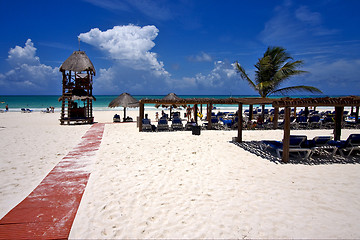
178 185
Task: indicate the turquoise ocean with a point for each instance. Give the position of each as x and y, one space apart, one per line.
41 102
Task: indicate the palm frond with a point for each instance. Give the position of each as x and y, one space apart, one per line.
287 71
244 76
272 70
297 88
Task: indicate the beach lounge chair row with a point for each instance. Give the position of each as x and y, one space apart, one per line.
301 145
163 125
26 110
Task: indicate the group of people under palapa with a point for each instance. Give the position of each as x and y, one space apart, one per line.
189 111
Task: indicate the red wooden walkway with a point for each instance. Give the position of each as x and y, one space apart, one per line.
49 211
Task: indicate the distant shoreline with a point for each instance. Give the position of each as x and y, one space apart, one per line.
41 102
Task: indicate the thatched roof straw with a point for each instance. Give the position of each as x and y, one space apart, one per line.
77 62
124 100
77 94
276 102
325 101
185 101
171 97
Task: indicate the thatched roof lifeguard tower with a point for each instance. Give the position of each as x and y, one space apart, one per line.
77 72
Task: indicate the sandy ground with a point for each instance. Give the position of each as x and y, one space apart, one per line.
178 185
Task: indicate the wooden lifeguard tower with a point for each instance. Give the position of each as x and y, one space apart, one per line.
77 80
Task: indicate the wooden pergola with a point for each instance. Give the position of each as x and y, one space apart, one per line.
339 104
286 103
209 102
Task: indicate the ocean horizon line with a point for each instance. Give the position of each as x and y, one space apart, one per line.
42 102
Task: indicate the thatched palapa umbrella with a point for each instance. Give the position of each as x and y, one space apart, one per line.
170 96
124 100
77 62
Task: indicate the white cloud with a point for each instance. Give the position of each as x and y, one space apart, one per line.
27 72
110 4
23 55
202 57
153 9
222 76
129 45
335 75
105 81
291 24
305 15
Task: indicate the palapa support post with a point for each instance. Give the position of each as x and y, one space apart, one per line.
240 123
357 114
294 112
339 111
124 114
286 140
141 115
209 110
276 118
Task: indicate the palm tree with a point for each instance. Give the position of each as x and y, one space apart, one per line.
275 67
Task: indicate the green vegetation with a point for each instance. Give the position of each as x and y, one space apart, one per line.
275 67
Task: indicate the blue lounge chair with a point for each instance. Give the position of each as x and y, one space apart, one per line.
297 145
146 125
163 125
319 144
116 118
215 124
302 121
314 121
328 122
350 144
189 126
227 123
177 124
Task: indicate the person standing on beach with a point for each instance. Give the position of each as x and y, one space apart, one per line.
7 108
188 112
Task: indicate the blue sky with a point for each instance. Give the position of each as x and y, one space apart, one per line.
188 47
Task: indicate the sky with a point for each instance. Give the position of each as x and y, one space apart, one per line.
154 47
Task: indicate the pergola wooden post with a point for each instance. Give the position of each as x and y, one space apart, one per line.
276 118
251 110
209 110
339 111
286 140
240 123
196 113
141 117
